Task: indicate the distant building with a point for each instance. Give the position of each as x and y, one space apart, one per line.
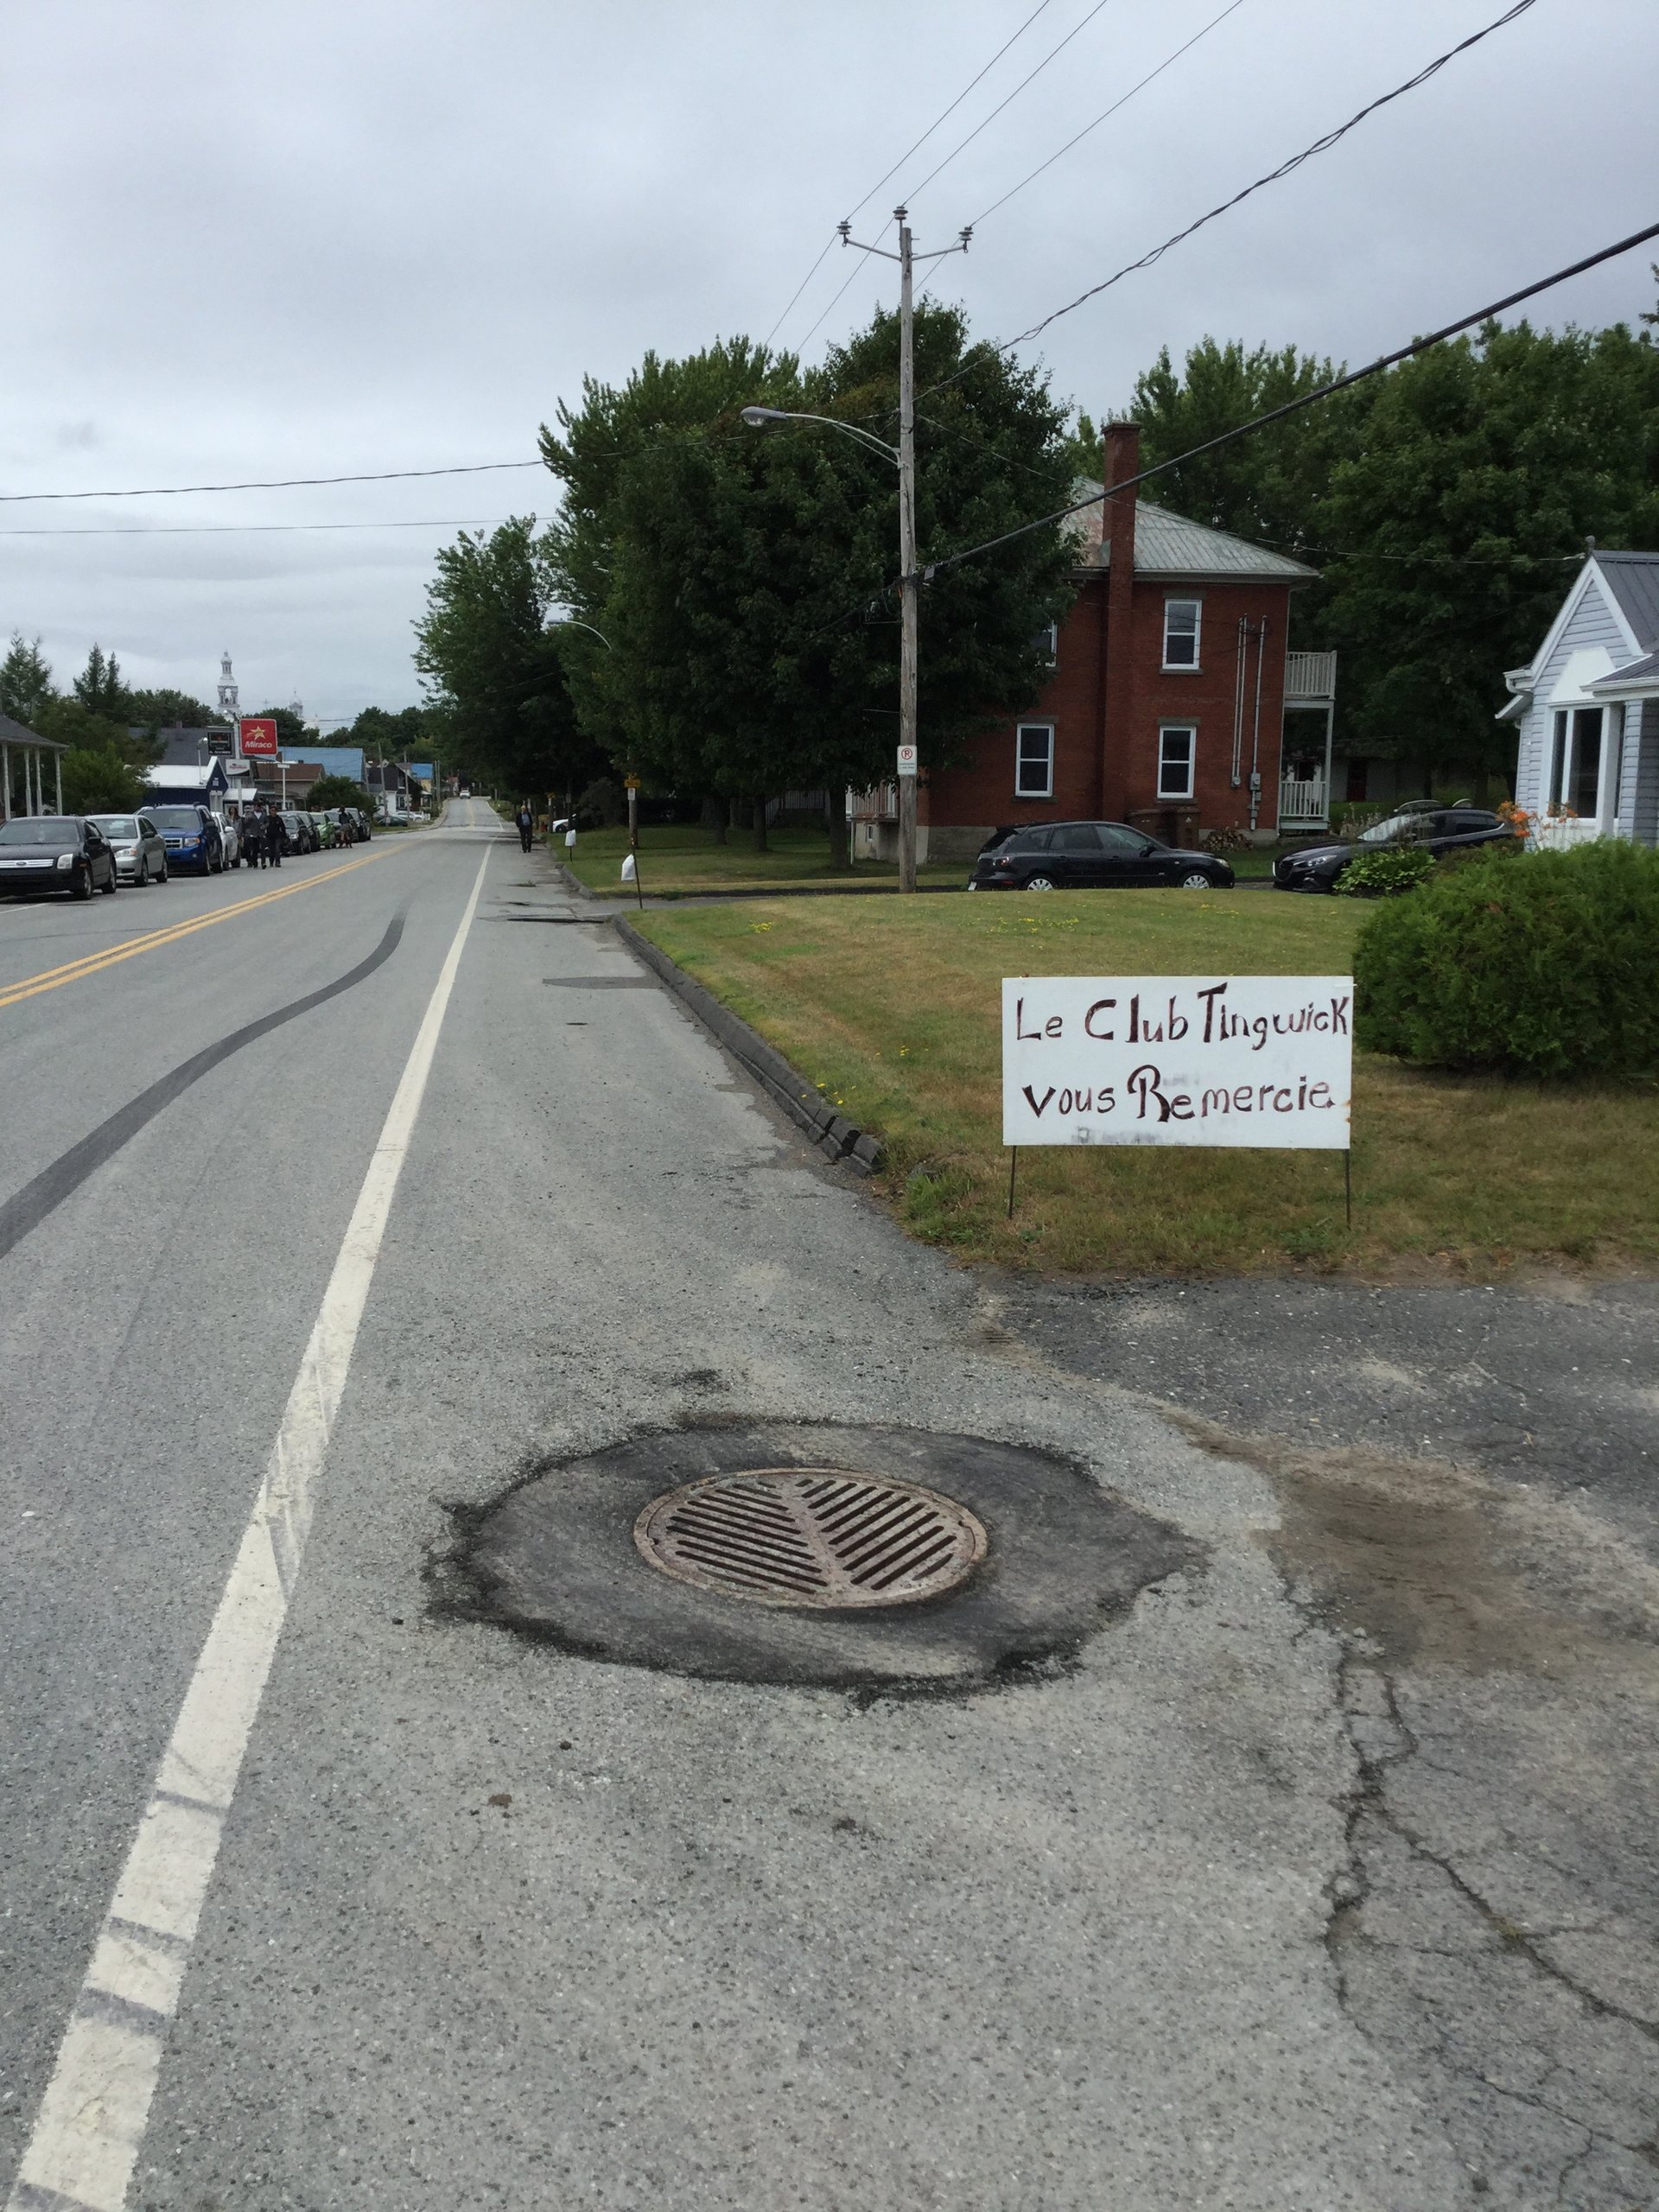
337 759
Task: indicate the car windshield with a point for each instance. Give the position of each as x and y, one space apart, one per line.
51 831
1396 827
115 825
176 818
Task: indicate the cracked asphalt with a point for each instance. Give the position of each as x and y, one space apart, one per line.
1321 1876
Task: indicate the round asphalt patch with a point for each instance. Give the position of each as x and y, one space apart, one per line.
555 1558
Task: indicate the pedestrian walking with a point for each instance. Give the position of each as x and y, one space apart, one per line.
276 838
526 825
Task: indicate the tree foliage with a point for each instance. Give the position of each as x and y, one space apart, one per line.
99 780
166 708
338 790
744 581
1445 503
493 667
101 688
26 682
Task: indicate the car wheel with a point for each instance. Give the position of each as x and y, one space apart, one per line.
1194 880
142 877
113 883
162 878
1039 883
81 885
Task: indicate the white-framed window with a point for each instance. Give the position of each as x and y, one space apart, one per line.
1033 760
1047 642
1178 752
1182 620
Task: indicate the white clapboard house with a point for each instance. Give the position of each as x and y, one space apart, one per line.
1587 708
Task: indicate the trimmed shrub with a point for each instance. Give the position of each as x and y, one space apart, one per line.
1386 872
1543 967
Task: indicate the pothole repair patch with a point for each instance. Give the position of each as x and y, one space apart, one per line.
847 1557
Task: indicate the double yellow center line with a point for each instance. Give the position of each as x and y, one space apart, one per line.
94 963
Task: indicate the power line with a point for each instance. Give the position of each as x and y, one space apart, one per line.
1167 62
274 483
1319 146
830 242
857 267
1001 104
246 528
1305 399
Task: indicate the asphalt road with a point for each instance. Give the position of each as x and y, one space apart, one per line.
1321 1876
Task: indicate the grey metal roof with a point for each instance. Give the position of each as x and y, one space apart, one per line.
1644 670
1167 545
1633 578
13 733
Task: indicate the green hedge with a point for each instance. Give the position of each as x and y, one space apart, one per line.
1386 872
1543 965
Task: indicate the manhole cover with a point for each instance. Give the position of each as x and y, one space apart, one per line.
817 1536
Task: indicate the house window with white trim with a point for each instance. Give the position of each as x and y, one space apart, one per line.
1033 760
1047 642
1177 749
1182 618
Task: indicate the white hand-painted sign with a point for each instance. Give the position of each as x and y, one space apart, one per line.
1178 1059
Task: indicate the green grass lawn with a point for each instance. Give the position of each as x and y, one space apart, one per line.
681 859
891 1006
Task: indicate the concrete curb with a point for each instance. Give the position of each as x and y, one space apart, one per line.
835 1137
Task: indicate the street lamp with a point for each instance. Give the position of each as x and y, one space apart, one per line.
903 455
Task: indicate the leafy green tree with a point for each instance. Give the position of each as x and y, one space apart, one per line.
744 581
99 780
100 688
339 790
1266 487
25 684
1485 465
166 708
493 667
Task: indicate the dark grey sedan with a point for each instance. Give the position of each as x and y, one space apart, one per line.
139 847
1436 829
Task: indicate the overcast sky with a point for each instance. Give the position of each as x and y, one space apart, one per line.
306 239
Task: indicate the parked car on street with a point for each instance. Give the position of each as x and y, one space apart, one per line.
359 821
192 837
139 847
45 852
297 834
1091 856
1434 829
230 836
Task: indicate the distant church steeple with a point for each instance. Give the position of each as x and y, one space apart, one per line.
229 710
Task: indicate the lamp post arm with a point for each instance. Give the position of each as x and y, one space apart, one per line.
569 623
758 417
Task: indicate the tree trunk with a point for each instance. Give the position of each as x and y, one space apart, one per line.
714 816
760 822
841 854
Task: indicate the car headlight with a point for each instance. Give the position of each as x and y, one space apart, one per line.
66 859
126 852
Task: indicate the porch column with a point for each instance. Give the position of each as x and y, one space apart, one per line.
5 781
1330 729
57 779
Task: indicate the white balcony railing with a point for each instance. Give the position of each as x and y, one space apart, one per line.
1301 802
1310 679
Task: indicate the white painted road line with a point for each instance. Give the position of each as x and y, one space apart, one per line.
93 2117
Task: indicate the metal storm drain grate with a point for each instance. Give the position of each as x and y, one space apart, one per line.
815 1537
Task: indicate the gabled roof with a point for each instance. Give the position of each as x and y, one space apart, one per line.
1167 545
1633 578
13 733
1598 575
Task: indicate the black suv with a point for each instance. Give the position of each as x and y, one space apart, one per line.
1436 829
1089 856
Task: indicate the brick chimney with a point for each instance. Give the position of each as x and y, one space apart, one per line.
1120 457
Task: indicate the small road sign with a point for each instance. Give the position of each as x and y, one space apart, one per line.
906 759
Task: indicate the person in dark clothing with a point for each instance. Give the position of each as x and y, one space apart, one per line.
276 838
526 826
253 832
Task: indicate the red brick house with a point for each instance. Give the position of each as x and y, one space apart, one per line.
1167 706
